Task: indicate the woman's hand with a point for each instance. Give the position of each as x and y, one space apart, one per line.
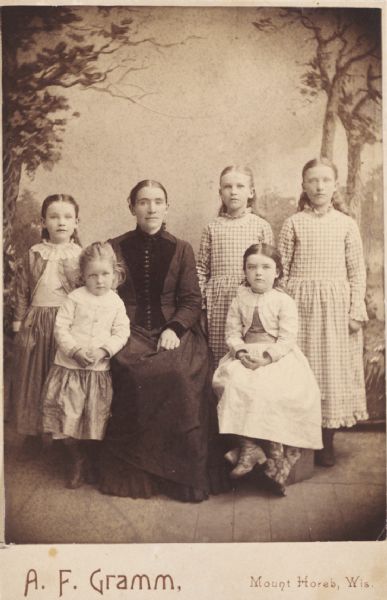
354 325
168 340
16 326
83 358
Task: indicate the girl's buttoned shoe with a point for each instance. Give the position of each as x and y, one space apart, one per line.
232 456
250 455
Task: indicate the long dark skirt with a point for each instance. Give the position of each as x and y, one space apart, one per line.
162 435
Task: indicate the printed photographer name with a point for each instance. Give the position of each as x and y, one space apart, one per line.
101 583
306 582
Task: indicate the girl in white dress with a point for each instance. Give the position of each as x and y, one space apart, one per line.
268 395
223 243
49 271
324 272
90 327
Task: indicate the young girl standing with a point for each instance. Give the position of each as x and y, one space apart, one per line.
268 394
49 272
90 327
223 242
324 272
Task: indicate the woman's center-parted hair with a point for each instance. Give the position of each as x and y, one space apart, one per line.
244 170
337 201
59 198
142 184
101 251
266 250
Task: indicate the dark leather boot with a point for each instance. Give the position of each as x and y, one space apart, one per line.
326 456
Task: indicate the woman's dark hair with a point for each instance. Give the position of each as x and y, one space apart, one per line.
269 251
337 201
244 171
59 198
145 183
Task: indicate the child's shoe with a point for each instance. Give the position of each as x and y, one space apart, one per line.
326 456
77 464
274 486
250 455
232 456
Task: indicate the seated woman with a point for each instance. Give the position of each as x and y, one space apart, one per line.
162 435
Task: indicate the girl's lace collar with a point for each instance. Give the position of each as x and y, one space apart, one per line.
50 251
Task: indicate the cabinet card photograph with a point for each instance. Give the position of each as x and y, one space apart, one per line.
193 278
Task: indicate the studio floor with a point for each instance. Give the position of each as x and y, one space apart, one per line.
345 502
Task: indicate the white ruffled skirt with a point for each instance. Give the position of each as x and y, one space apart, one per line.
279 402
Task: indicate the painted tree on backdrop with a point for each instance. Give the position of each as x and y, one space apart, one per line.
345 45
47 50
345 65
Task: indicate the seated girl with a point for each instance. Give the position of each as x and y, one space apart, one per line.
268 395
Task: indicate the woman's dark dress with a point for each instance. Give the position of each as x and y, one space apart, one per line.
162 435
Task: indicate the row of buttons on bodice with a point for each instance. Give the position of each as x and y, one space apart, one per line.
147 258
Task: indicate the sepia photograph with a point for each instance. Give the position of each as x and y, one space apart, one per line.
193 277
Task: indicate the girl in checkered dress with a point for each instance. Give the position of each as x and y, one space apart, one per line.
324 271
223 242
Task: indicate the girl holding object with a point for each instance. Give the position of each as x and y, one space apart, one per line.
268 395
324 272
49 272
91 326
223 242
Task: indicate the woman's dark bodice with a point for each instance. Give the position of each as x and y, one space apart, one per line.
148 259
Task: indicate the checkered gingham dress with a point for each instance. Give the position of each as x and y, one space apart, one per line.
220 268
324 272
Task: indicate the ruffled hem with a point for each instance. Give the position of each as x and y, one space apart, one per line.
345 421
128 482
135 483
119 478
